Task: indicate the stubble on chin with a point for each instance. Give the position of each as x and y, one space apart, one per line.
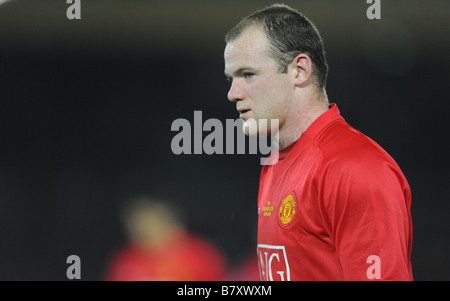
257 127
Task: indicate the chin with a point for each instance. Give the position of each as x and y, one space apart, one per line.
252 127
249 127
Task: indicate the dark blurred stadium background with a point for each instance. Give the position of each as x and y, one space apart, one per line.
87 106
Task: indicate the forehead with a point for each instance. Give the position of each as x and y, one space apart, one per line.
251 48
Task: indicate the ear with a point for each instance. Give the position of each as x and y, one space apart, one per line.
301 68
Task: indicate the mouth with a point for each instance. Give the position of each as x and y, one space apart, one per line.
243 112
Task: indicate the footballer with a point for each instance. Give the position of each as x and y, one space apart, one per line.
335 206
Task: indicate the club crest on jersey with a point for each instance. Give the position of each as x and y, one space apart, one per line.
287 211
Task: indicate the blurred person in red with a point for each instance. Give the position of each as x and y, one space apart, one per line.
160 249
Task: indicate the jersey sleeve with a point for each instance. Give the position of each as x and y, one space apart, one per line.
364 202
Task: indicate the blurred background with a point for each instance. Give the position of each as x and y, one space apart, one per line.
87 107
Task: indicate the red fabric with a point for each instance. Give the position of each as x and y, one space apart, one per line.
335 206
189 259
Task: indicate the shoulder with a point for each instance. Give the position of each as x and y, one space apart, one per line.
201 246
355 172
345 149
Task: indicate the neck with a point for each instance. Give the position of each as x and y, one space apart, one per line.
302 115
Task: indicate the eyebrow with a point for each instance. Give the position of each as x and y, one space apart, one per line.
239 71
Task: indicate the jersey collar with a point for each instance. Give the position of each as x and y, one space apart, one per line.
314 129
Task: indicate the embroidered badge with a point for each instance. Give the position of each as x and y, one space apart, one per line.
287 211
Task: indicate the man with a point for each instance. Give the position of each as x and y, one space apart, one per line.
335 206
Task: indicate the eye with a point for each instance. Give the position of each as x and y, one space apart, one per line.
229 79
248 75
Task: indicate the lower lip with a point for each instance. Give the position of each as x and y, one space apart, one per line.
242 115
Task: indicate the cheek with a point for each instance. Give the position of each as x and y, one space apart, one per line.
262 93
271 100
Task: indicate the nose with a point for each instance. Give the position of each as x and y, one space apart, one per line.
235 93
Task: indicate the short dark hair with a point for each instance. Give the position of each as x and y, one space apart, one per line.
290 33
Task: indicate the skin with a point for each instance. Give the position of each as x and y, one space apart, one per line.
261 92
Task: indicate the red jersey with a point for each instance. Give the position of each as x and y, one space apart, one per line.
335 206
